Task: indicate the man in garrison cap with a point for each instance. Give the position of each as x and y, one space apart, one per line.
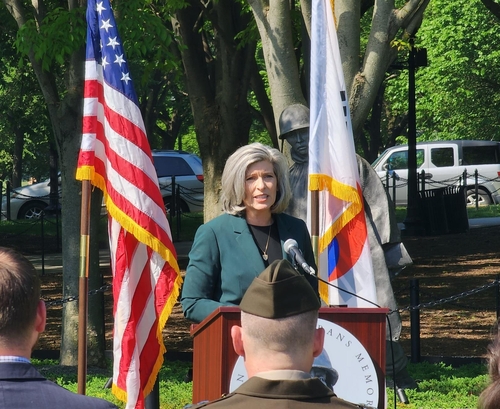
278 340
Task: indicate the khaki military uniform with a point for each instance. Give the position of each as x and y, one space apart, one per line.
262 393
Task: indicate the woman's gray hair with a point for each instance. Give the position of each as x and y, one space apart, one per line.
233 177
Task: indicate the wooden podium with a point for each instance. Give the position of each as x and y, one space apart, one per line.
214 356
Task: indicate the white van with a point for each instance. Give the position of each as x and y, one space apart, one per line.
444 164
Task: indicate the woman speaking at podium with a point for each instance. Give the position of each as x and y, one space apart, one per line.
231 250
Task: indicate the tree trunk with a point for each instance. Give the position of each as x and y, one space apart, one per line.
69 117
363 84
66 120
373 128
493 7
363 80
71 205
54 178
275 27
217 85
266 109
96 340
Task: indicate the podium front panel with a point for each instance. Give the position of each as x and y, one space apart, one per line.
214 357
213 354
368 326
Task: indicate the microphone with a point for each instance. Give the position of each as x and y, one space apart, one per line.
292 249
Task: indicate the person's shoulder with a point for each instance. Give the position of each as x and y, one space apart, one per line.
62 397
211 226
32 386
290 220
223 402
222 218
223 222
233 400
96 403
287 217
339 403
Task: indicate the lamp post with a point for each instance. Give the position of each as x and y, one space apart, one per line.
413 223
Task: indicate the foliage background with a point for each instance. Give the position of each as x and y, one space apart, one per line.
457 94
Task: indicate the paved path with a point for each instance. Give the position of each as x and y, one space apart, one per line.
484 222
474 223
52 263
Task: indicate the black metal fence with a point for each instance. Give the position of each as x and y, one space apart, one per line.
392 182
416 306
42 234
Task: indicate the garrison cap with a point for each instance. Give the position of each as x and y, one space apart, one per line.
279 292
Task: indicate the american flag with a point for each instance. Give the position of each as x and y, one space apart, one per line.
115 156
344 257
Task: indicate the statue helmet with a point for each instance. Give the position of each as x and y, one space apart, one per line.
322 368
293 117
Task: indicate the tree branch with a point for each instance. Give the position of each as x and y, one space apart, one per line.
410 15
39 11
493 7
16 10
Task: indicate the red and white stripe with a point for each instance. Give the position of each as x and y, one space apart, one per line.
116 157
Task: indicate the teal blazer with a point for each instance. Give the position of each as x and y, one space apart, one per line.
224 260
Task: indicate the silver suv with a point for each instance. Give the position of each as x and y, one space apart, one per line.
28 202
444 164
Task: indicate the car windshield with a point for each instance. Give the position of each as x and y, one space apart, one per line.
171 166
376 161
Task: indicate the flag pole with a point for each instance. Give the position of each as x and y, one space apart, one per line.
83 286
315 224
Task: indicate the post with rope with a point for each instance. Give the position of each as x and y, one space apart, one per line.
476 190
83 286
497 297
394 179
42 233
415 321
7 196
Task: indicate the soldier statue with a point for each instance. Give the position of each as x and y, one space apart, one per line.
389 255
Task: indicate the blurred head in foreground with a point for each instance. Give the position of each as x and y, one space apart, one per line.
490 397
22 312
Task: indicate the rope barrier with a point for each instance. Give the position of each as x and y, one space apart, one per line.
102 289
449 299
454 181
430 304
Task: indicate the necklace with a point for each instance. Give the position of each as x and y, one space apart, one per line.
264 253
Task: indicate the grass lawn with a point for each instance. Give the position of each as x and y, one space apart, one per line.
440 386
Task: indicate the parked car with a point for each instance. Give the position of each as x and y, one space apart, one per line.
28 202
188 171
444 164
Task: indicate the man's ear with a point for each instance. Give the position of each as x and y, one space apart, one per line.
41 316
237 340
319 340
